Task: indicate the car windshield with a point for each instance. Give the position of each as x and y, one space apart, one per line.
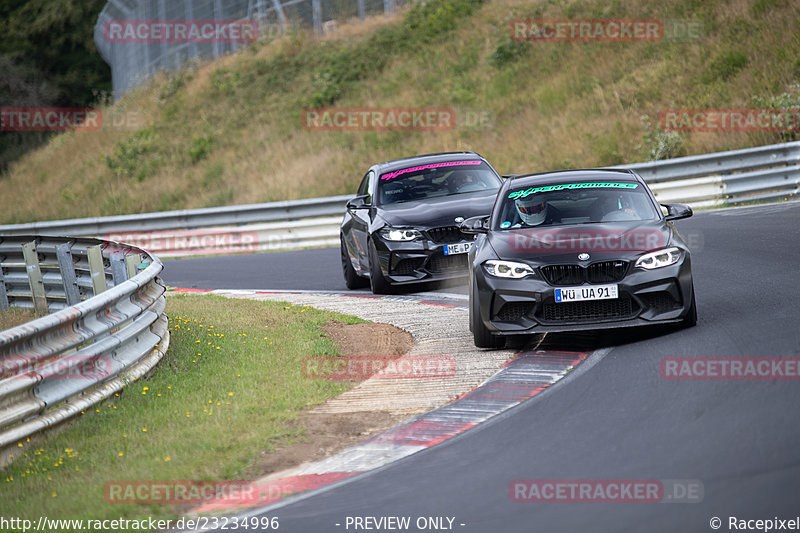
575 203
434 180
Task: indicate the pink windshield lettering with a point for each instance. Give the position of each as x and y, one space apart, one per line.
394 174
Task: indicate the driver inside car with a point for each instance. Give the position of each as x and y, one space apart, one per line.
617 208
464 182
535 211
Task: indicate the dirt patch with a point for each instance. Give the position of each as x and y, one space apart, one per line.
326 434
369 339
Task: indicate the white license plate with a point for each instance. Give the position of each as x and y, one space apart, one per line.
460 248
591 292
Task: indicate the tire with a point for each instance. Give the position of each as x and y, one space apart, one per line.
351 279
377 282
690 320
481 335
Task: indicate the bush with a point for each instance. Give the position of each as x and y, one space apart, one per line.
725 65
507 51
199 148
658 144
787 100
428 20
174 84
136 157
225 81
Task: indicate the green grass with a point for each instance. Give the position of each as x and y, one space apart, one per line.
230 132
228 389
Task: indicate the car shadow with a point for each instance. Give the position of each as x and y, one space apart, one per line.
591 340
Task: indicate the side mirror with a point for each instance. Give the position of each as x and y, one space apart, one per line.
509 176
358 202
473 225
677 211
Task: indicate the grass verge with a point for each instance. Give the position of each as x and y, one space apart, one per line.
15 316
229 388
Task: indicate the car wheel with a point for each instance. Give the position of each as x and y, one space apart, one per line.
691 317
377 282
351 279
480 333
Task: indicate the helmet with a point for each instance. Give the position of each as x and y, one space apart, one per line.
532 210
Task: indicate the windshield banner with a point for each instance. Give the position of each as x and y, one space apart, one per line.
394 174
565 186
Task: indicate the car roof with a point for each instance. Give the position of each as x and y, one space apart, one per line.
565 176
424 159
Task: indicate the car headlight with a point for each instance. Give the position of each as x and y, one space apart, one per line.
661 258
395 234
507 269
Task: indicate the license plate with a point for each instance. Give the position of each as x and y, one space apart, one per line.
460 248
594 292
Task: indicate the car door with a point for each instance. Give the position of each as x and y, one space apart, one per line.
359 222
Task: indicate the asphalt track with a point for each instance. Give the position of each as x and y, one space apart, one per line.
613 418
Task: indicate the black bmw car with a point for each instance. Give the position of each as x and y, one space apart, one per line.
577 249
402 226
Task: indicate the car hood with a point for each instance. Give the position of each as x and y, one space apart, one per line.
602 241
436 212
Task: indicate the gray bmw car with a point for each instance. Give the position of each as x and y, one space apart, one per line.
577 250
402 227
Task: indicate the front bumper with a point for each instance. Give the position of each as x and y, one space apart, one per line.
526 306
419 261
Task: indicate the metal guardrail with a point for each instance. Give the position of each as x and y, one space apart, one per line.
710 180
725 178
185 219
107 328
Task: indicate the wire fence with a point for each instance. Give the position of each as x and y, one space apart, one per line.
139 38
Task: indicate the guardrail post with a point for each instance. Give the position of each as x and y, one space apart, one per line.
96 270
3 294
131 264
119 273
35 277
316 15
67 268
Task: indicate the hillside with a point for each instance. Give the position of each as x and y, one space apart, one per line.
231 132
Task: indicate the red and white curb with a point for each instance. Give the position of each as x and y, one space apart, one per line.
518 380
523 378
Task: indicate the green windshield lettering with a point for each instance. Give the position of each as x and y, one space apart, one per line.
593 185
